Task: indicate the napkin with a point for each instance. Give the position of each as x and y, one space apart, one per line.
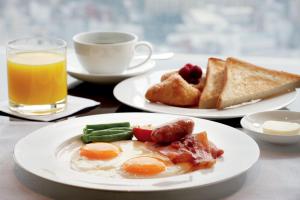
74 105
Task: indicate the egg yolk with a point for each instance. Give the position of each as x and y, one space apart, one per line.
99 151
144 166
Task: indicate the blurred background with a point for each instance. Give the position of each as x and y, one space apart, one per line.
235 27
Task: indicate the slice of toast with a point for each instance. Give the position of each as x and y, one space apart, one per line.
173 91
245 82
213 84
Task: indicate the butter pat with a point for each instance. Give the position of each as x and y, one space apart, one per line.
280 128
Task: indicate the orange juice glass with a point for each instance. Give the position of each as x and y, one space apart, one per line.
37 78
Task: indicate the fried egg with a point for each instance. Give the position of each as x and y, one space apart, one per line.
127 159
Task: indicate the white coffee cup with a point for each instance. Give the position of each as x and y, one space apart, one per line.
108 52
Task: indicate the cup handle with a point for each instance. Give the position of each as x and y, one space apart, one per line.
149 47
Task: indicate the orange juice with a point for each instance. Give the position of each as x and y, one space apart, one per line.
36 78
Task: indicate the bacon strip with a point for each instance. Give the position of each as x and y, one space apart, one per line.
195 149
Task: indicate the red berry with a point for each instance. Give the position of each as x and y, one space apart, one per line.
191 73
189 65
196 72
185 72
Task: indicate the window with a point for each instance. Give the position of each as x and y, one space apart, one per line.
231 27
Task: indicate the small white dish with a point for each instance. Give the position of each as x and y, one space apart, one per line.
75 70
253 124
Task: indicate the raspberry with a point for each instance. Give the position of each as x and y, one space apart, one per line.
185 72
191 73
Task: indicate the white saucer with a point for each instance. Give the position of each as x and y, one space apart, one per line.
75 70
253 124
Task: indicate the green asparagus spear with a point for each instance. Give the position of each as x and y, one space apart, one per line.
106 126
125 135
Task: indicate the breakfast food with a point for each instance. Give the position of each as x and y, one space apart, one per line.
174 91
171 132
227 83
143 133
245 82
195 149
281 127
191 73
166 150
178 88
134 160
167 75
198 85
107 132
213 84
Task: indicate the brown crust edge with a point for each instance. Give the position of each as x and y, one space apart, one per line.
256 67
225 79
213 59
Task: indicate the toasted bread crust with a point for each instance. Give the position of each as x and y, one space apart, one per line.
213 84
237 62
245 82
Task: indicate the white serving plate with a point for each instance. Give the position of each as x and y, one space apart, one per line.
46 153
132 92
75 70
253 124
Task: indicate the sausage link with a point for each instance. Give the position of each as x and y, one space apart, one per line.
173 131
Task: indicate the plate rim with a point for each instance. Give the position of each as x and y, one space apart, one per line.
207 116
109 78
92 186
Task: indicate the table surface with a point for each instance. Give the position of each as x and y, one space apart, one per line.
276 175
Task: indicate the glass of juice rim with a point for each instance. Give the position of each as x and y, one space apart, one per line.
36 75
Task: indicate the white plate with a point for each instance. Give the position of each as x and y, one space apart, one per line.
139 85
77 71
46 153
253 123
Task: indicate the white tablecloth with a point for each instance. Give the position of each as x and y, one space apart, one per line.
275 176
